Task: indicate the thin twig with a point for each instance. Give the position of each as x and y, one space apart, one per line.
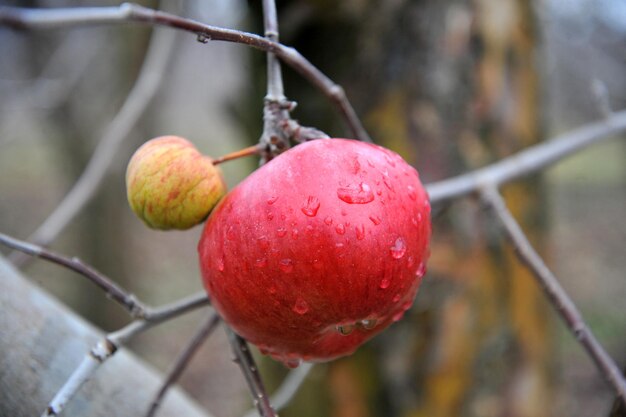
244 359
274 74
148 82
103 350
529 160
21 18
123 297
203 332
276 107
176 308
109 344
288 388
251 150
555 293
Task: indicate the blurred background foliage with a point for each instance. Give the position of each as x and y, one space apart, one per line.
451 85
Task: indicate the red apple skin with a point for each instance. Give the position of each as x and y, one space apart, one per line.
330 237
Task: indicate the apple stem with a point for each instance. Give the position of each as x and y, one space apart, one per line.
251 150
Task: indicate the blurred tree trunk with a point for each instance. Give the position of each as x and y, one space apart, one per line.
450 85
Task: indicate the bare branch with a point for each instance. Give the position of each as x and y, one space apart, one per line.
529 160
274 75
555 293
85 188
111 289
244 359
288 389
176 308
183 360
102 351
22 18
108 345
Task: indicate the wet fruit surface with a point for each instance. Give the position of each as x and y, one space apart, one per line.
171 185
318 250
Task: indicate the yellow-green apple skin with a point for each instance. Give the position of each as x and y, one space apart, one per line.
171 185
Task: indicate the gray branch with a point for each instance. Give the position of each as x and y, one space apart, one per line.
557 296
529 160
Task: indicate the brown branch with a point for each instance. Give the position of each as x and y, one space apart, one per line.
251 150
554 292
288 388
127 300
22 18
183 360
244 359
528 161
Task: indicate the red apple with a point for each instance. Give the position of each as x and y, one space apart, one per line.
318 250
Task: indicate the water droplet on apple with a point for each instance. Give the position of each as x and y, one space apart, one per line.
412 193
398 249
328 221
294 234
220 263
340 229
270 216
345 329
272 200
300 307
390 161
356 194
421 270
281 232
398 316
360 232
384 283
260 262
410 262
388 183
292 363
375 219
396 298
286 265
311 206
368 323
